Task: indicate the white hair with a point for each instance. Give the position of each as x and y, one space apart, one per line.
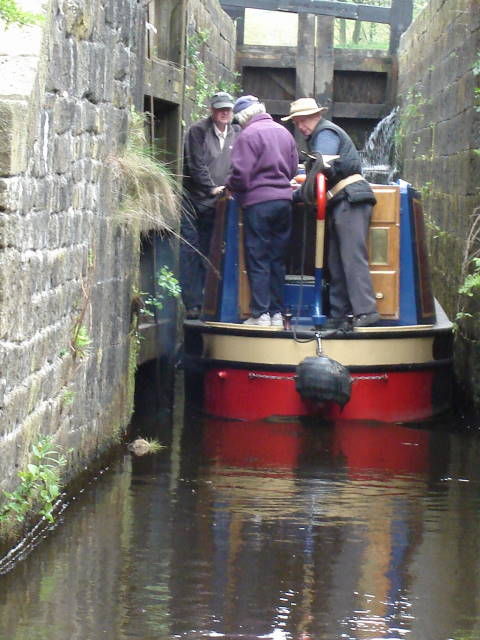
244 116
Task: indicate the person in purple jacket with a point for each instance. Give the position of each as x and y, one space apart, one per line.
264 159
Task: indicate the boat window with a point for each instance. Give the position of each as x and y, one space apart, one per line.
379 245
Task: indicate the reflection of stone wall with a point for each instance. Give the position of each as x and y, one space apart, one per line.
440 130
64 261
76 584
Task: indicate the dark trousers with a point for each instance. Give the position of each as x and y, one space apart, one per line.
351 288
267 228
196 231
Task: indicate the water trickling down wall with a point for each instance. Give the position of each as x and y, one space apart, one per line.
378 153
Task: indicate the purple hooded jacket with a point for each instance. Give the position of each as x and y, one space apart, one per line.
264 159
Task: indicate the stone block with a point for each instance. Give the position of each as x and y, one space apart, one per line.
5 200
120 94
453 135
42 148
127 23
15 407
109 66
111 11
121 63
7 234
95 91
77 123
79 18
62 154
68 65
13 149
63 114
35 231
90 118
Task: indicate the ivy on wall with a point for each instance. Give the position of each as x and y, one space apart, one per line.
205 84
470 273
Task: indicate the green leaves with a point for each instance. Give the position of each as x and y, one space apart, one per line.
168 286
10 13
80 341
40 484
168 283
205 84
471 284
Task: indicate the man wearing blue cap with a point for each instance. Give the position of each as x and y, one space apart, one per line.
206 165
264 160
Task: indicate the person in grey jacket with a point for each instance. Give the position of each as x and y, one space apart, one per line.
206 166
350 201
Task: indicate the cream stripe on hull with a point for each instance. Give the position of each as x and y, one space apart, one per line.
281 351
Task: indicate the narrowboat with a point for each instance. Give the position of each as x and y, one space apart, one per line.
399 370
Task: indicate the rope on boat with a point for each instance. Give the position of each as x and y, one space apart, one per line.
265 376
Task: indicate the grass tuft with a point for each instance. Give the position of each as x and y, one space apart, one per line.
142 446
152 201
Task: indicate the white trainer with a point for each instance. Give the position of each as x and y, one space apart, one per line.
277 320
261 321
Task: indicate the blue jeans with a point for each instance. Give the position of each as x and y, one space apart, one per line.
267 227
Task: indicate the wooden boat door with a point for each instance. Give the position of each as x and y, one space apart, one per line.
384 249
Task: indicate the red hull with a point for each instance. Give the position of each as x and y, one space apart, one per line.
392 396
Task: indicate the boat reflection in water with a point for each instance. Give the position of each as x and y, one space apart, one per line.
328 516
256 445
282 530
389 448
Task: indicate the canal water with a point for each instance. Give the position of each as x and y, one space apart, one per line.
263 530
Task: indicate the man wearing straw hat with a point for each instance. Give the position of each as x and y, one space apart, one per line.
350 200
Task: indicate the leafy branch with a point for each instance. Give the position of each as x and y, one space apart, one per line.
168 286
471 284
40 485
470 272
10 14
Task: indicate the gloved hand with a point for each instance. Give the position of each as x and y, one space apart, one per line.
297 196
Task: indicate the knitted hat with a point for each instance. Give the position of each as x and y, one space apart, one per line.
304 107
243 103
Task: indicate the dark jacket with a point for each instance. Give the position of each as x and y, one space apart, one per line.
264 160
205 166
349 161
346 165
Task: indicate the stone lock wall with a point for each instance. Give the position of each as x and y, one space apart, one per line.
211 39
439 134
65 261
